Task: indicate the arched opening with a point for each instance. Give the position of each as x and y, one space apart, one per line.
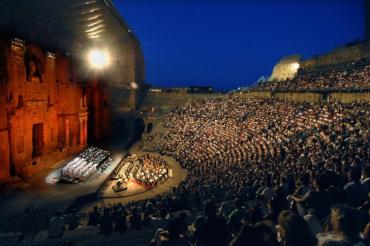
33 67
149 127
139 128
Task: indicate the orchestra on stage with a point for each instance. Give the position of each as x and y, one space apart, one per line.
147 170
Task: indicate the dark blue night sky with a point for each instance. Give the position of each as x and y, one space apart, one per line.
227 44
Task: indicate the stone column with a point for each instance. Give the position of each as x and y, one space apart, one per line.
81 132
85 131
67 132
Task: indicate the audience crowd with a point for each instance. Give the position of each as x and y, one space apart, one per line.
353 75
297 172
260 172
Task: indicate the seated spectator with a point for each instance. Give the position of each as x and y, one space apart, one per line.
313 223
346 230
367 233
236 217
106 222
267 191
214 228
120 221
160 220
94 217
293 230
27 223
225 209
74 220
183 224
356 193
135 220
198 231
259 235
56 226
302 189
274 207
254 215
169 237
319 200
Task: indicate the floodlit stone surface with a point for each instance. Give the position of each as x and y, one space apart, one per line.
46 112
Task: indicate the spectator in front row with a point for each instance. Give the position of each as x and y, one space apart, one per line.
56 226
74 220
319 200
236 216
215 226
135 220
106 222
258 235
119 219
355 192
94 217
346 228
293 230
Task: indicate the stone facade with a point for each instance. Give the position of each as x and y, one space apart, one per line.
44 109
4 133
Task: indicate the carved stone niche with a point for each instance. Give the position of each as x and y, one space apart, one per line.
33 68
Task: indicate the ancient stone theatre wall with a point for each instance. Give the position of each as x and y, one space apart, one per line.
44 108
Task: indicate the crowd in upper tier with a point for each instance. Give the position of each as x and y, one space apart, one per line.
345 76
299 173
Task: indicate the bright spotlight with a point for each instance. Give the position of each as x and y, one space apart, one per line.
295 65
98 59
134 85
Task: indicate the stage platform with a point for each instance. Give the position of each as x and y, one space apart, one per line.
46 192
136 191
133 188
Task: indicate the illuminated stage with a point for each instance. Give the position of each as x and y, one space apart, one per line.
133 188
46 193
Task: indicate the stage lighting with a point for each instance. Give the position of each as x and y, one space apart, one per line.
134 86
98 58
295 66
